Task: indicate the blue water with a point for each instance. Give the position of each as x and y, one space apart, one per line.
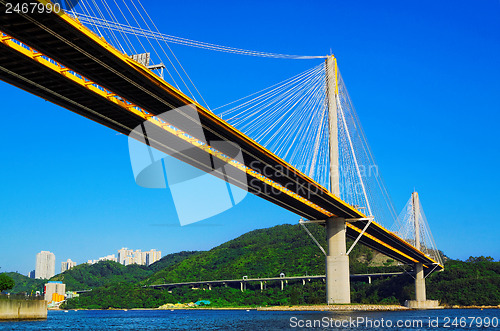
448 319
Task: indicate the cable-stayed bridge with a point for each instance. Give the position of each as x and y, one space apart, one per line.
301 140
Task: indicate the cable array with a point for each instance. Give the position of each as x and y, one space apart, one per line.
127 26
102 23
405 228
361 183
113 20
290 119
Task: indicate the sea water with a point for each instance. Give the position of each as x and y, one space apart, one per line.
197 319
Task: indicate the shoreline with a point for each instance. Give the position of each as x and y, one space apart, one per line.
352 307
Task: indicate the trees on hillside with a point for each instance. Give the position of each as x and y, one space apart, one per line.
6 283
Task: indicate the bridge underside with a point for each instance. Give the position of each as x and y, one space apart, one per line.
75 47
62 41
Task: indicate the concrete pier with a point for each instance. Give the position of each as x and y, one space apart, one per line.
420 301
427 304
337 263
419 283
14 309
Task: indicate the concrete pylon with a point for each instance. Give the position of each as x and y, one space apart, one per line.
337 261
420 301
419 267
333 131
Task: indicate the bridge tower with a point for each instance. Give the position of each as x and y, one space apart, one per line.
419 267
337 261
420 301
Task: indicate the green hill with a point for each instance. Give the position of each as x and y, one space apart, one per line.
288 249
170 260
263 253
25 284
473 282
85 276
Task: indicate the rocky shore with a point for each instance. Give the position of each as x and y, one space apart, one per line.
337 308
472 307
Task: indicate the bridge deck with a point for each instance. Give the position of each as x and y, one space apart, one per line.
73 46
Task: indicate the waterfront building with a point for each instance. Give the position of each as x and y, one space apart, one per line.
71 295
67 265
54 290
45 265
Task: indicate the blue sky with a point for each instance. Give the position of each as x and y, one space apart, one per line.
423 77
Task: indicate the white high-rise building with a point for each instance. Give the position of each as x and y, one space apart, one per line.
128 256
104 258
153 256
125 256
108 258
45 265
67 265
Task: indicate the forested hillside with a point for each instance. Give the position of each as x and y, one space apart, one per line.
267 253
86 276
25 284
264 253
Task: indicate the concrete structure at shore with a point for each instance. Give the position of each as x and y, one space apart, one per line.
338 288
52 288
420 301
13 309
426 304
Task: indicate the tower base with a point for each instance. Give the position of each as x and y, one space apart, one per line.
427 304
337 263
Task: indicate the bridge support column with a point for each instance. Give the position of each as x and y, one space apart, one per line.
337 263
420 301
419 268
419 283
261 286
282 285
369 279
